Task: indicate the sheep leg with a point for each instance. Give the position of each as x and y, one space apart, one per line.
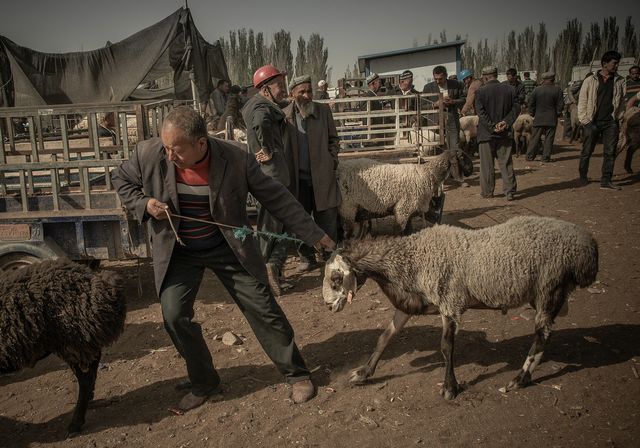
450 388
545 316
86 385
359 375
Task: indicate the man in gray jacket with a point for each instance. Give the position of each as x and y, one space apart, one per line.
311 150
185 173
600 108
545 104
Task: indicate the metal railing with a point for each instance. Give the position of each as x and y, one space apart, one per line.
402 122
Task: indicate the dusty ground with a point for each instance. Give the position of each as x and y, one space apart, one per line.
586 393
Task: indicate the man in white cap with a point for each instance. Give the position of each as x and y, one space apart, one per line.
311 150
322 93
374 84
545 104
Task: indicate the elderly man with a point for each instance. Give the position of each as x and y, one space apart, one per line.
600 107
405 88
265 123
311 149
545 104
322 90
187 174
452 99
497 108
633 83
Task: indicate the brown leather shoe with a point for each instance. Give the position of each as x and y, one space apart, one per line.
191 401
302 391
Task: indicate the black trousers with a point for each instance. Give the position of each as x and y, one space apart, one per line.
327 220
266 318
609 131
549 133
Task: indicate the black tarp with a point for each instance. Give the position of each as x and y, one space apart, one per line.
114 73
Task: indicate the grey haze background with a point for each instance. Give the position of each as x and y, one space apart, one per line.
349 29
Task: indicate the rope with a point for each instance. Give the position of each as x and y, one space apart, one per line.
7 83
239 233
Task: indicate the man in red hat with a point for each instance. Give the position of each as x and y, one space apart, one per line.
265 124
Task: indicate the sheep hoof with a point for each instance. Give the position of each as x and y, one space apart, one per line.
358 376
73 431
450 393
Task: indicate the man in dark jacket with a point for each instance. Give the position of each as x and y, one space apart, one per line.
452 100
311 149
513 81
265 124
545 104
185 173
497 108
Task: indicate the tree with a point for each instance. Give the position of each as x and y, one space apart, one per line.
301 57
609 34
591 44
541 60
565 50
526 48
317 57
629 45
280 51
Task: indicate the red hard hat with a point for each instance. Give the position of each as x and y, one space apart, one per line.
264 74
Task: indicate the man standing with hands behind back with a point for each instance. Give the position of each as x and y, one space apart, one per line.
497 108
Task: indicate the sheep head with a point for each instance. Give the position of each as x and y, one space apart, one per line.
340 282
460 164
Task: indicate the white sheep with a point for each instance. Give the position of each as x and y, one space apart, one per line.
469 132
522 129
533 260
382 189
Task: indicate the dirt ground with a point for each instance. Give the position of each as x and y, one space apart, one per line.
586 392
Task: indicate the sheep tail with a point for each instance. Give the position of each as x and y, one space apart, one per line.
586 267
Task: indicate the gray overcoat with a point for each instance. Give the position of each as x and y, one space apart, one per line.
324 145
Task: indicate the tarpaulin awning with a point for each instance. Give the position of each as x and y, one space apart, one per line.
118 72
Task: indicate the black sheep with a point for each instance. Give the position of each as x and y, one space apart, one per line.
63 308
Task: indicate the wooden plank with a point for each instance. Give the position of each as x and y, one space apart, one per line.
32 139
39 132
125 136
94 139
55 186
23 192
84 174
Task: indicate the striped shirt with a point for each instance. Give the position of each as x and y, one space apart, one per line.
193 195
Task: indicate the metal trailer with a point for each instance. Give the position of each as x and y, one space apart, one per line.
56 196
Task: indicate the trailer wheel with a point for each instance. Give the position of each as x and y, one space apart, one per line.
16 260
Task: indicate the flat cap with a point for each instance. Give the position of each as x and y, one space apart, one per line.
490 70
296 81
406 75
548 75
372 77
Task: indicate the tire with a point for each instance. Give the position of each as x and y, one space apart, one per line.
17 260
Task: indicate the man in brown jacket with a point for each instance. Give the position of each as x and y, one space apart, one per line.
311 150
186 173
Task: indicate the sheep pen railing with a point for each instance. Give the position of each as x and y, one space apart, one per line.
408 122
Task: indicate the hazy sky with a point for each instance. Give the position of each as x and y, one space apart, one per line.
350 28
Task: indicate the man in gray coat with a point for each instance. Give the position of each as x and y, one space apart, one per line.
545 104
497 108
185 173
311 150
